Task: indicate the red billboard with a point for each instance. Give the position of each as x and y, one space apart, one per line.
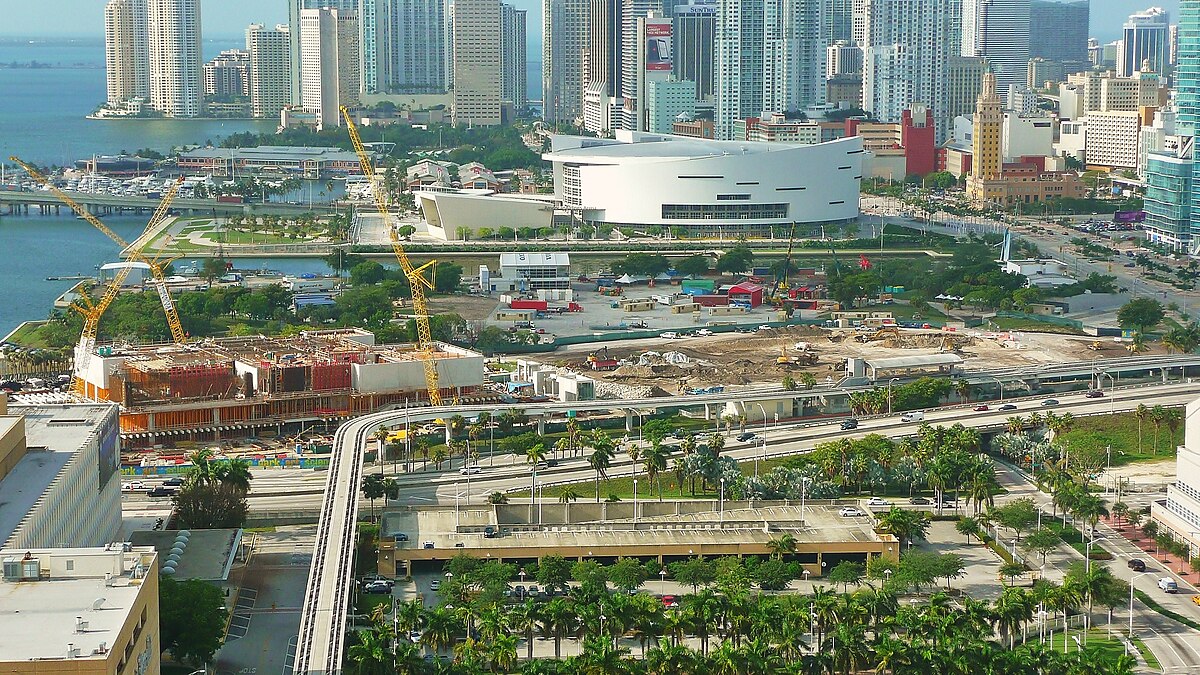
658 46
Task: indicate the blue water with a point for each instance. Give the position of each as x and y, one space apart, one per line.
43 110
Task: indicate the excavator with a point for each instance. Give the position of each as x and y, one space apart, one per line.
781 283
156 264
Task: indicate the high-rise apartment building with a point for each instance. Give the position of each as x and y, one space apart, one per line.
667 101
695 45
1058 30
512 56
176 79
412 47
329 63
998 30
294 9
1145 35
770 56
126 60
632 47
270 68
564 39
651 63
602 78
477 62
839 20
842 58
909 47
228 74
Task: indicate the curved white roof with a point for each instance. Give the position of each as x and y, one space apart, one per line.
127 263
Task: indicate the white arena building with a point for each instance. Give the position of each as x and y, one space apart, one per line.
644 179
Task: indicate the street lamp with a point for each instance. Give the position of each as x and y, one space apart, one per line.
889 393
456 496
722 502
762 453
1112 385
522 574
804 481
998 383
635 509
764 414
662 581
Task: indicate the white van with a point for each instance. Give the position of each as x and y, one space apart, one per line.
1168 585
915 416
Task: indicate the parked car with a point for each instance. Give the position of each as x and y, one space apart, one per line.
878 501
850 424
920 500
670 601
427 544
1050 402
1168 585
1136 565
377 588
703 332
414 636
850 512
489 532
670 335
1095 393
982 408
469 470
435 585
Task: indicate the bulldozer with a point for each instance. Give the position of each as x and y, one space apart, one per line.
881 334
806 358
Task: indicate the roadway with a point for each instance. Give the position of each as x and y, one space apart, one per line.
92 199
323 620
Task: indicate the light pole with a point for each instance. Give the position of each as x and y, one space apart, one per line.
803 488
762 453
522 574
1112 385
635 503
456 496
722 502
662 581
889 393
764 414
1000 384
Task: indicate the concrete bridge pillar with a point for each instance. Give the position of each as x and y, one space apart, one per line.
448 436
629 421
541 426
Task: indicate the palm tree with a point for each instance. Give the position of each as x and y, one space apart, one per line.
655 463
1014 607
600 460
1157 417
497 498
381 434
671 659
439 454
524 617
701 610
1015 424
442 626
1141 412
557 619
784 544
372 488
963 388
905 525
371 653
502 652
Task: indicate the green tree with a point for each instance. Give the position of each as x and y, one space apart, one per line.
1017 515
693 266
1041 542
1142 314
367 273
211 506
191 619
694 572
845 573
905 525
447 277
968 527
735 260
627 574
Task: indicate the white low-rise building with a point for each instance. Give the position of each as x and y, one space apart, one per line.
1179 512
641 179
1112 138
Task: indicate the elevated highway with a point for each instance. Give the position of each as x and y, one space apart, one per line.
321 640
102 203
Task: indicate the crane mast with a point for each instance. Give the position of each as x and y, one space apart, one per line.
418 282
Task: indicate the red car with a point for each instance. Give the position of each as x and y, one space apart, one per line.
981 408
670 601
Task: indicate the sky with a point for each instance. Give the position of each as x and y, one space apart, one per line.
228 18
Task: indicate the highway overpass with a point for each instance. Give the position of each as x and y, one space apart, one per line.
321 640
102 204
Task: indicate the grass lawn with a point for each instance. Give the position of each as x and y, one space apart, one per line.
1120 432
1108 646
1151 662
367 602
1012 323
904 312
30 335
622 487
236 237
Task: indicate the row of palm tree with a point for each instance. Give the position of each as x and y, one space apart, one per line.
1159 416
733 632
206 470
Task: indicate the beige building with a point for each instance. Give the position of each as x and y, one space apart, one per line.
176 79
80 611
1107 92
1112 138
477 63
270 68
329 63
59 475
126 60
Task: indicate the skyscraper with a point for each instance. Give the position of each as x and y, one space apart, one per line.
512 56
294 9
477 62
1058 31
270 68
228 74
998 30
1145 35
695 45
127 62
909 46
632 47
176 79
839 21
564 39
987 161
413 47
651 63
770 56
329 63
602 82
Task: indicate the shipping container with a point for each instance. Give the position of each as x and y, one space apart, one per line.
538 305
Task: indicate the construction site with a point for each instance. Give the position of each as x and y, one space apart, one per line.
766 356
236 386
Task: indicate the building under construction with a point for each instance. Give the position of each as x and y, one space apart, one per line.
236 386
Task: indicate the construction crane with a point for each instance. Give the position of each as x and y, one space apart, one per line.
781 278
418 282
178 335
93 311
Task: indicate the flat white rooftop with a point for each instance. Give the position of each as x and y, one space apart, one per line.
654 147
53 434
38 618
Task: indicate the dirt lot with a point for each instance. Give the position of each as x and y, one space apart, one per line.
742 359
469 307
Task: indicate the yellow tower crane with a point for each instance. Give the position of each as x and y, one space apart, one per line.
418 282
93 311
178 335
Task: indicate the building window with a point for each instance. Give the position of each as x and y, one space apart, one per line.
724 211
